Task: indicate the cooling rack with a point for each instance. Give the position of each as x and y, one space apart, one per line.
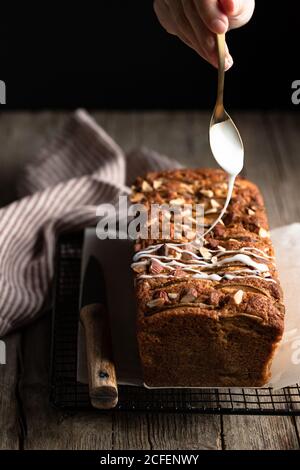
68 394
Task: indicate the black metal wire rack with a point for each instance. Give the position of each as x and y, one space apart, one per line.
71 395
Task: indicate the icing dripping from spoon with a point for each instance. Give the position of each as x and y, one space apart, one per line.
224 138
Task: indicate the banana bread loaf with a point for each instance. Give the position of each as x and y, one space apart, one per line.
211 315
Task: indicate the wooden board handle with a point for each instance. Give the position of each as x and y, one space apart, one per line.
101 370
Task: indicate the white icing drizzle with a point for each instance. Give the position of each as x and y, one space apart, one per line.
198 266
228 150
245 259
230 277
227 201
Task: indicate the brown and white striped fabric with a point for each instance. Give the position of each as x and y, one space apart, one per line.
79 169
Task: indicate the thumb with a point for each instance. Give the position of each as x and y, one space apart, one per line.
239 12
231 7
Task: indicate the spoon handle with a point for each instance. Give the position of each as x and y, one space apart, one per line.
219 110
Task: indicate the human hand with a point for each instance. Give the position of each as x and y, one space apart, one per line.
197 21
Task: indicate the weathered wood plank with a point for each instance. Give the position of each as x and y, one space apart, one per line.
131 431
166 431
185 431
259 433
183 136
21 134
9 408
274 172
52 429
46 427
264 167
284 133
18 140
120 126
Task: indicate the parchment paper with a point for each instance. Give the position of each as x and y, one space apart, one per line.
286 364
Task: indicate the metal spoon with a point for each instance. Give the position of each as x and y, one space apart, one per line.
225 140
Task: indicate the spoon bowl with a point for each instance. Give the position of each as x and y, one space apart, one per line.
224 138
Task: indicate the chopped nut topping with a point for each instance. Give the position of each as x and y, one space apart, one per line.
190 295
189 234
219 230
214 298
186 256
187 187
212 243
155 267
161 295
179 273
214 204
137 197
139 268
172 295
251 212
211 211
207 193
146 187
205 253
157 183
177 202
238 297
263 233
155 303
266 274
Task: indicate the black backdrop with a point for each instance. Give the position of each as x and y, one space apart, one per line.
114 54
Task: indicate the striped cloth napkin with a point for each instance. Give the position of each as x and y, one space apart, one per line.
79 169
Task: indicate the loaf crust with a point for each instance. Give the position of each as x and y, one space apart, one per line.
202 332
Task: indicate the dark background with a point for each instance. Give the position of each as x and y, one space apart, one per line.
115 54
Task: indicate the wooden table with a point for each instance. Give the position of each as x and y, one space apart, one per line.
272 144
